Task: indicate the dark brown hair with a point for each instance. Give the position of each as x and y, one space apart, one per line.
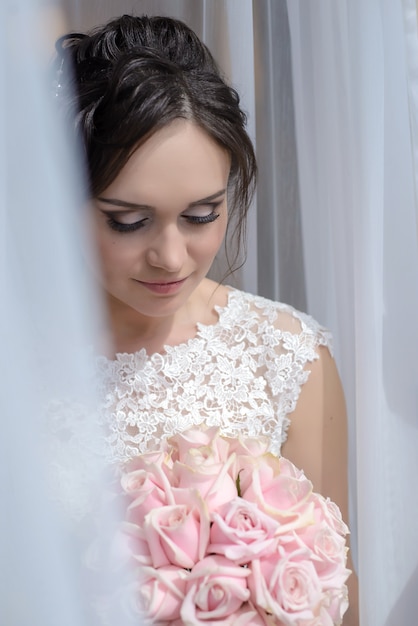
128 79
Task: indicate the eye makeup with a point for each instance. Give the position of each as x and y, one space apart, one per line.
121 227
196 214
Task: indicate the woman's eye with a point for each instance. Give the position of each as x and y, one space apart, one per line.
203 215
124 227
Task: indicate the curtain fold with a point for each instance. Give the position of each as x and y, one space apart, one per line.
281 272
49 315
356 168
325 126
227 29
410 10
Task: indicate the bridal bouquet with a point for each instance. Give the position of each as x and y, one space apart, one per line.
223 532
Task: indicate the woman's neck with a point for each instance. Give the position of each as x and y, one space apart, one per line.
131 331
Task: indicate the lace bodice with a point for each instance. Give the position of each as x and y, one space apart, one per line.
243 374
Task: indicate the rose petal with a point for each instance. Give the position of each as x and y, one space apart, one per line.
173 535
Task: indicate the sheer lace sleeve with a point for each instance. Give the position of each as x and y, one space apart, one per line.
294 341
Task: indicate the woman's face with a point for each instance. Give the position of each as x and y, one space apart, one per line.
161 222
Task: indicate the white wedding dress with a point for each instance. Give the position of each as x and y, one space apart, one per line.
243 374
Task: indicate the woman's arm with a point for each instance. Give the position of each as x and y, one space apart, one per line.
317 443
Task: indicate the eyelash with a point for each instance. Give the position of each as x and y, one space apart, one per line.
193 220
204 219
124 228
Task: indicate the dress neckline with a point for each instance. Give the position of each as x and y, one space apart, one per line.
142 354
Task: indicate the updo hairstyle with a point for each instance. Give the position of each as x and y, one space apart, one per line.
131 77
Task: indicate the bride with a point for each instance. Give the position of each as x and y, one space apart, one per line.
171 170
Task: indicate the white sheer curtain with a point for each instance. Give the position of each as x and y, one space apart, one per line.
48 315
356 142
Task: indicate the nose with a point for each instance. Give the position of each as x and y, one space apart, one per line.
168 250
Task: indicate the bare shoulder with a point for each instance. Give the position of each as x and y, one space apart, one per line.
317 436
317 443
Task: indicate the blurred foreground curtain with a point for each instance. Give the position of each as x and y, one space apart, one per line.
331 89
48 316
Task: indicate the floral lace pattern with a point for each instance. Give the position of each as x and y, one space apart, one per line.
243 374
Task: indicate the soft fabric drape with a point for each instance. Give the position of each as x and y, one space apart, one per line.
355 103
48 315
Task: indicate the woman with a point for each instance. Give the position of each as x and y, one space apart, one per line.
170 169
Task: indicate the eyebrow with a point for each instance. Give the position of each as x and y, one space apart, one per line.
132 206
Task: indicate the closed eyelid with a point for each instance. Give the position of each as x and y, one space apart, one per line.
202 208
129 214
125 220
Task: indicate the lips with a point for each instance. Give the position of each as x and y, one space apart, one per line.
163 287
161 282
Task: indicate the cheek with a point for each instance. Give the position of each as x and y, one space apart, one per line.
115 255
206 246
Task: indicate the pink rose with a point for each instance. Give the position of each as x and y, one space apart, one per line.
245 465
147 460
288 469
208 440
215 590
130 545
212 481
248 452
327 510
177 535
202 462
159 464
286 586
328 615
285 496
241 532
252 447
247 615
135 481
158 594
155 464
328 553
335 604
146 494
323 619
